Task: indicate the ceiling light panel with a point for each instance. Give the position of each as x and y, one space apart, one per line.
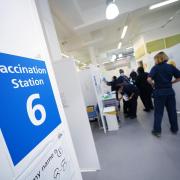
120 45
120 55
124 32
164 3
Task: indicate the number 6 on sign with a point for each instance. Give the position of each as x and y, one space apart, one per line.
32 110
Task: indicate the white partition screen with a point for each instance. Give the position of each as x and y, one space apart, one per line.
75 110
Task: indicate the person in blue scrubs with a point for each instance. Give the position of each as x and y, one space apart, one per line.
123 79
161 78
130 94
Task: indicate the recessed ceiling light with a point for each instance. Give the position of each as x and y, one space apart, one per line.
164 3
124 32
129 48
120 55
105 63
113 58
112 11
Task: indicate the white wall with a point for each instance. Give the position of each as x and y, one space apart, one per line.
139 42
75 110
49 29
20 31
21 34
171 29
99 90
87 87
54 49
109 74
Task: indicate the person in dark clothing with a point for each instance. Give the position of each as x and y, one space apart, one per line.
130 95
123 79
133 76
145 89
160 77
112 83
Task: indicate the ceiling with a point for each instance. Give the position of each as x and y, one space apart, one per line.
85 34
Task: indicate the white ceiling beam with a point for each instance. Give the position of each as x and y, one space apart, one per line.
92 54
93 42
78 8
86 25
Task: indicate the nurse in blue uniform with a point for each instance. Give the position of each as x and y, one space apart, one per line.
130 95
161 78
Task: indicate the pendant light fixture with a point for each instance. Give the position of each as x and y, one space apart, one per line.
112 10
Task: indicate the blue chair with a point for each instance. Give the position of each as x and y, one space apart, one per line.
92 113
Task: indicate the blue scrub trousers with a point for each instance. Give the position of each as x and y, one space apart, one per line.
169 102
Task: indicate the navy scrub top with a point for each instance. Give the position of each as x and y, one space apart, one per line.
129 89
162 74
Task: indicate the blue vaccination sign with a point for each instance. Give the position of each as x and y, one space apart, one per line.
27 105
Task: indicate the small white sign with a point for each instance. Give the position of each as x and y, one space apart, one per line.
56 165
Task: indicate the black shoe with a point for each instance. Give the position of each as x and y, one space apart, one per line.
146 110
157 134
133 117
152 108
126 115
174 132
